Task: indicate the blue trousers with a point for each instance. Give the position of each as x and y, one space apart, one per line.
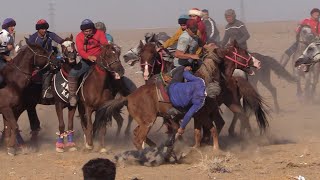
82 67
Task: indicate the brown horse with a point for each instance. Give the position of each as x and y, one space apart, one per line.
17 75
145 110
100 85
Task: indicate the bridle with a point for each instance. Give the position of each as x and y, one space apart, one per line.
69 55
106 67
158 61
236 56
34 62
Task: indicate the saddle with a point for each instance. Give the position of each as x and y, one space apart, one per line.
162 81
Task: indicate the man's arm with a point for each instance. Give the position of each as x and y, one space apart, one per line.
80 47
173 39
225 38
181 48
245 33
187 117
56 38
190 77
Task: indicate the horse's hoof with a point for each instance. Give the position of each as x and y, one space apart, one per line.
73 149
103 150
11 151
196 146
89 147
59 150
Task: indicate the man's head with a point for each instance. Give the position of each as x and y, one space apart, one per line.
42 26
183 21
195 13
99 169
205 14
192 26
101 26
230 15
87 27
9 24
315 13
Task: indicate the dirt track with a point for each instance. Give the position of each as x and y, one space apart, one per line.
291 148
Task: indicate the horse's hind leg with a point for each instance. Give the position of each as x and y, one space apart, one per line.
34 124
70 133
273 91
233 125
61 134
119 121
127 132
140 135
8 115
102 135
89 128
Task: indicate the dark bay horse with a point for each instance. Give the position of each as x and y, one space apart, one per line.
18 75
145 110
101 85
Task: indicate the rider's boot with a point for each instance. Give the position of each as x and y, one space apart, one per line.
46 93
73 86
173 112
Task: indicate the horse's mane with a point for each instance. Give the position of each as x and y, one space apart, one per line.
111 47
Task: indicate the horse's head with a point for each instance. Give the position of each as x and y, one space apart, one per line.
237 58
39 57
132 56
109 60
69 51
305 35
149 60
309 57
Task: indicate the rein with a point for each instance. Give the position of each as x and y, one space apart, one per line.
158 61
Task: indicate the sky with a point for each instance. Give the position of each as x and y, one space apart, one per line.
135 14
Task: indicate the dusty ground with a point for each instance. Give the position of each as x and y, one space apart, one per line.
292 147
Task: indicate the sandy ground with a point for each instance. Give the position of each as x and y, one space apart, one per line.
291 148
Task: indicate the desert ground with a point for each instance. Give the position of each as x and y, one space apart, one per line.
290 148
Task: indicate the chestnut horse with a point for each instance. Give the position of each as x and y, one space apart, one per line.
18 75
145 110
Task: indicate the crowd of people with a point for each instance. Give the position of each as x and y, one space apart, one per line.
197 32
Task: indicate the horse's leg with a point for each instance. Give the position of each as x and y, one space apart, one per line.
81 112
119 121
233 125
70 133
273 91
102 135
34 124
9 116
89 128
236 108
141 135
127 132
307 87
197 130
315 81
60 140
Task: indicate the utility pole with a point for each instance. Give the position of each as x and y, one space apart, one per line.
52 14
242 11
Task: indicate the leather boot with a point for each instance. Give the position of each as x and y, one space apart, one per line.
284 60
73 86
46 93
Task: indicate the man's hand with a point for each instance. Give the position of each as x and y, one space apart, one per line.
187 68
180 131
210 46
92 58
195 56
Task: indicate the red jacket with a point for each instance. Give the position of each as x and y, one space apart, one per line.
202 29
312 23
93 46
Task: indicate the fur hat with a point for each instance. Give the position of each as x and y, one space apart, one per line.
101 26
314 10
8 22
230 12
195 12
183 19
86 24
42 24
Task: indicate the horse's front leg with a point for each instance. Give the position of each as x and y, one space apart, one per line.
61 134
89 128
8 115
70 133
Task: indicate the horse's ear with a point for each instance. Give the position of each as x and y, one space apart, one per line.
235 44
140 44
71 37
220 52
27 40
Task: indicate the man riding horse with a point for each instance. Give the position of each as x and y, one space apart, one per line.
313 22
44 38
88 43
6 42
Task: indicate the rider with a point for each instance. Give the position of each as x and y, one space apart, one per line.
213 35
313 22
88 43
44 38
190 95
6 42
102 26
235 30
196 14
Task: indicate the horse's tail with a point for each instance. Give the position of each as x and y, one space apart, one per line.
104 114
278 69
254 102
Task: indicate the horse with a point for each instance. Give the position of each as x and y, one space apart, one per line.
100 85
304 38
145 110
18 75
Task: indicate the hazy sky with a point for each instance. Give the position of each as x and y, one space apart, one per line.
123 14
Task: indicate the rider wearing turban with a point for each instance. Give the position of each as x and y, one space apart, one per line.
196 14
